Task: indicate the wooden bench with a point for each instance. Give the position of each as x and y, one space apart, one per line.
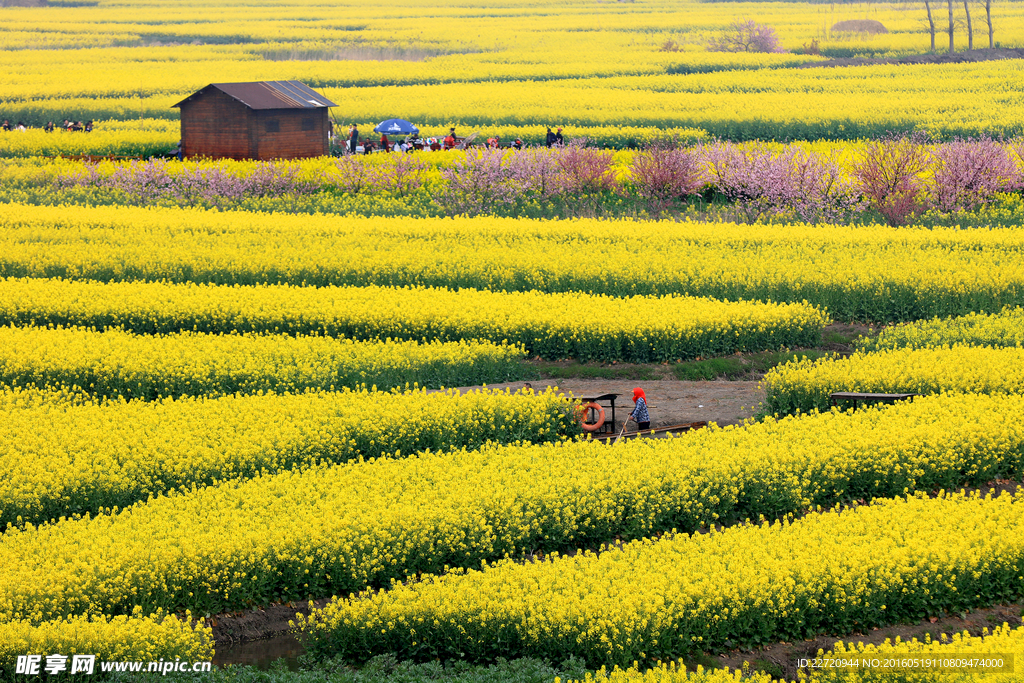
874 398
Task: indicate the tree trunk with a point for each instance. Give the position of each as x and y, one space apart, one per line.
988 20
931 21
970 26
949 4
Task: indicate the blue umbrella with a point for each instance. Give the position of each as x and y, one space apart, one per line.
396 127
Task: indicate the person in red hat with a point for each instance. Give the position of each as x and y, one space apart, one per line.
639 414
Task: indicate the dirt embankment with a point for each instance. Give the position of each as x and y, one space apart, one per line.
257 623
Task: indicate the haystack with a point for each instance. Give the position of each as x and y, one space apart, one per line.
859 26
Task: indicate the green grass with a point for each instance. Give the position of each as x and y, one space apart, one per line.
579 371
728 367
770 668
834 337
712 368
734 367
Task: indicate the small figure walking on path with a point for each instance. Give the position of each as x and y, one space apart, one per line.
639 414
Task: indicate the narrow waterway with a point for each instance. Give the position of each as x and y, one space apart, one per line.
261 653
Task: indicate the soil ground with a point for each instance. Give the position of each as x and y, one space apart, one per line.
669 402
673 401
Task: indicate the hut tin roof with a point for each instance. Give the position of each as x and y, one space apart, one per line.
269 95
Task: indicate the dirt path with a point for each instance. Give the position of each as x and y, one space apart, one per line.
669 401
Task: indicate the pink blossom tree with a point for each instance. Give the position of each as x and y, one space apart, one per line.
746 36
662 175
890 173
968 173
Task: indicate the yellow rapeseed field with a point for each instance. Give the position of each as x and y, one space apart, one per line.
486 65
264 465
866 273
569 325
132 637
1005 328
806 384
117 363
66 457
955 658
650 600
363 524
952 658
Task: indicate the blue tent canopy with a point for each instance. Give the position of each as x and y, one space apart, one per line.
396 127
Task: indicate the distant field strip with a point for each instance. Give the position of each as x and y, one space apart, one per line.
868 273
115 363
573 325
773 103
807 384
1002 329
331 530
64 457
657 600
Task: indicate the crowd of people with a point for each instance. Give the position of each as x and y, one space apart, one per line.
354 144
68 125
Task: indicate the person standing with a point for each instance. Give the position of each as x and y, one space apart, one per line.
559 140
385 145
353 138
549 139
639 414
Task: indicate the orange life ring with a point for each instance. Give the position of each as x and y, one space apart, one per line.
588 427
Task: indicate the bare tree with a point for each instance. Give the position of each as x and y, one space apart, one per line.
931 21
970 26
988 20
949 3
747 36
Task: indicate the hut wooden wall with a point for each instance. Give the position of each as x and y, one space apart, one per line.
290 133
216 125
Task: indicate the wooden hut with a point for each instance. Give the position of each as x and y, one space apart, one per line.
263 120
